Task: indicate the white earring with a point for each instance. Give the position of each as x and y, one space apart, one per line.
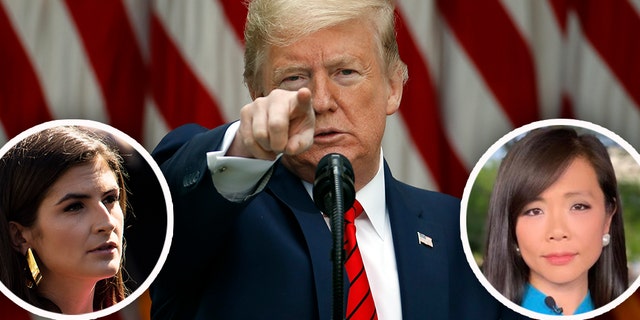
518 250
606 239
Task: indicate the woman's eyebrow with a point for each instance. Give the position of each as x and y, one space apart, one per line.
83 196
72 196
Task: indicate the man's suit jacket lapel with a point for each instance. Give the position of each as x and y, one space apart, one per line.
422 270
289 189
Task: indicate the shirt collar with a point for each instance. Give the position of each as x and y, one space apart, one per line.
372 197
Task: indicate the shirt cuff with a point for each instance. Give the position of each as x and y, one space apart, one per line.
236 178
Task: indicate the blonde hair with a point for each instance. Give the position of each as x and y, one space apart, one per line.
282 22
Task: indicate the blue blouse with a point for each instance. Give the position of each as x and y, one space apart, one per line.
534 300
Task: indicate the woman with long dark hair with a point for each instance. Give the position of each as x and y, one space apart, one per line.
62 209
555 226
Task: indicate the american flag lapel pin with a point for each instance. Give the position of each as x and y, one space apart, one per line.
425 240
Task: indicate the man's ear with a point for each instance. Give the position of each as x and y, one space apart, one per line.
396 86
17 234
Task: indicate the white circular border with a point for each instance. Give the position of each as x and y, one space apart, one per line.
167 196
465 199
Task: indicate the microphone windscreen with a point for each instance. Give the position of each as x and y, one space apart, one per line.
333 169
548 300
551 303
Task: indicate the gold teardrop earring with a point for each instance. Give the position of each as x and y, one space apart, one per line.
33 267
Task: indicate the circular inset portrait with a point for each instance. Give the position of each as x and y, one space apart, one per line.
86 219
550 219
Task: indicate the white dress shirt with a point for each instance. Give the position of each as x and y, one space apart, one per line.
235 178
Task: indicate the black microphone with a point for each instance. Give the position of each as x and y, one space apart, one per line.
551 303
333 194
333 185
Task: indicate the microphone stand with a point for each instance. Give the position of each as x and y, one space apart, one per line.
333 190
337 226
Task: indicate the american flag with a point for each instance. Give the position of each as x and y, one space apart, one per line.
477 70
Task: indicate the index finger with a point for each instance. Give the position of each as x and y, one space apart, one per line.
304 98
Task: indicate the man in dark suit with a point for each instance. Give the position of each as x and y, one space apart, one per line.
249 243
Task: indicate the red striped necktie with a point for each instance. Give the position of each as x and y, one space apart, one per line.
360 301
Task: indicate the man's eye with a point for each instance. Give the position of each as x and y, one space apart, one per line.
292 83
291 79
